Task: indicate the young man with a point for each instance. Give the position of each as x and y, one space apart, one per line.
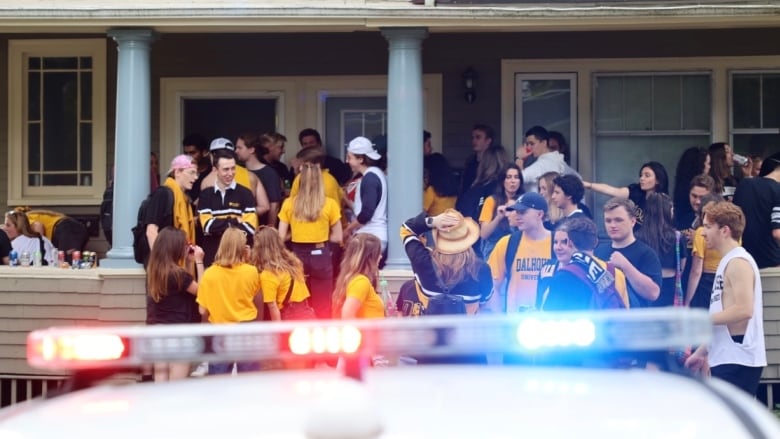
586 282
248 149
197 147
533 251
481 140
546 161
638 261
273 150
759 198
737 353
567 195
226 204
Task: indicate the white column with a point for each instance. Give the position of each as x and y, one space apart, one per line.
404 135
133 138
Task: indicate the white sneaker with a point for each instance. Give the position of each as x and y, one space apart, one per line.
201 370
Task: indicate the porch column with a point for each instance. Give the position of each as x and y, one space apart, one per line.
405 120
132 140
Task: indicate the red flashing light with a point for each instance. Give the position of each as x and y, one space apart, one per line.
84 347
331 340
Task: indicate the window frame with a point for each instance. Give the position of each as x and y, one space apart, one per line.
19 191
740 131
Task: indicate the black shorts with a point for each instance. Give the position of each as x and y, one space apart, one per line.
744 377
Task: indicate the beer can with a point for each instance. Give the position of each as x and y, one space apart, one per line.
61 257
76 263
13 258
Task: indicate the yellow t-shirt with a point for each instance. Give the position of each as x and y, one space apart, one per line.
710 257
330 185
530 257
361 289
243 178
47 219
228 292
433 204
488 210
310 232
275 286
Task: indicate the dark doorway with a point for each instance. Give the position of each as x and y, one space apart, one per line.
229 117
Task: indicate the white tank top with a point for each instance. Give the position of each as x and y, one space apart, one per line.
724 350
377 225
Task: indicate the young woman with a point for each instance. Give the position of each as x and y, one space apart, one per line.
546 187
314 223
450 270
493 223
370 206
281 273
229 291
441 186
659 234
722 159
355 294
172 290
704 262
693 161
492 161
25 240
652 178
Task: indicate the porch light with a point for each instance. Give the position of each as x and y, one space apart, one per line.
470 85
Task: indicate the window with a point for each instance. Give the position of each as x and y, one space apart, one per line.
755 112
648 117
57 121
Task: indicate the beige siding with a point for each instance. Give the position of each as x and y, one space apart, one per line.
770 279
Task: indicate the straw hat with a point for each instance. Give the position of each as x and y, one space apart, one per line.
459 238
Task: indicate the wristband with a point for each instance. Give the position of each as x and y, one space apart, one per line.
429 221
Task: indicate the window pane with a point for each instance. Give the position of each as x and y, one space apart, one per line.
86 95
86 146
762 145
60 63
34 179
547 103
60 122
86 180
60 180
609 103
34 147
638 103
353 125
34 63
746 101
33 96
667 103
618 159
771 101
375 125
696 102
85 62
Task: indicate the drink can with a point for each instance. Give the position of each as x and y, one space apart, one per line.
37 259
61 257
76 263
13 258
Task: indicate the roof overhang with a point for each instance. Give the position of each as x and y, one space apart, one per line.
213 16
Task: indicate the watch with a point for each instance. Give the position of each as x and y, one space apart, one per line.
429 221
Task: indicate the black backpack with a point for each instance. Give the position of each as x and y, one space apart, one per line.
141 248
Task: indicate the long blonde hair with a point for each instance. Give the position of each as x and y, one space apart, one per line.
310 200
269 253
232 248
554 214
452 268
360 257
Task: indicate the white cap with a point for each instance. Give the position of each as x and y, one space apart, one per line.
221 143
363 146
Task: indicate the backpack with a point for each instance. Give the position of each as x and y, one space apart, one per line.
600 280
141 248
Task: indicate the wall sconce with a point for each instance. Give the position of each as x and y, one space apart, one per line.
470 84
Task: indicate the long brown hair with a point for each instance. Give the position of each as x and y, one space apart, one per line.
360 257
22 223
269 253
168 252
232 248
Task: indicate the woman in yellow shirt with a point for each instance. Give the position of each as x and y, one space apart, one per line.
281 273
704 262
355 293
441 186
314 224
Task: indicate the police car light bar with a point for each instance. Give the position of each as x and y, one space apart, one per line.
602 331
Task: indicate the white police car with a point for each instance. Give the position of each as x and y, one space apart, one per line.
431 401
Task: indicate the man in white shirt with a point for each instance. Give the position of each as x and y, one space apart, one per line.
737 352
546 161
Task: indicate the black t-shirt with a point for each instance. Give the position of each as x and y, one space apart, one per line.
5 246
638 196
271 182
338 169
643 258
176 305
759 199
159 211
469 174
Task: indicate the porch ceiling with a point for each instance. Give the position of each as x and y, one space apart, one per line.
214 16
